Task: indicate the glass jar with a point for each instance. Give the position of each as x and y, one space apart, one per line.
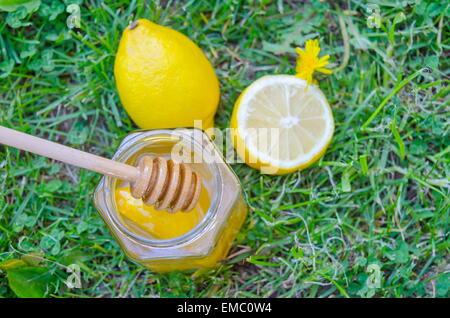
209 241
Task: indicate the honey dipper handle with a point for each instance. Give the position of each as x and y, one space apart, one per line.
68 155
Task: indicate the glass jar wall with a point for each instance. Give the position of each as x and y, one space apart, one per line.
162 241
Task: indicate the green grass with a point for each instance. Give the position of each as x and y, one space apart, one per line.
378 201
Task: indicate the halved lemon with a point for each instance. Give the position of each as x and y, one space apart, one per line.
281 124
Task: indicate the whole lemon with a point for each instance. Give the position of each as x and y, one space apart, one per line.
164 80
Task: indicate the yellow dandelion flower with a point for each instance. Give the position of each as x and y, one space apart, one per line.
308 61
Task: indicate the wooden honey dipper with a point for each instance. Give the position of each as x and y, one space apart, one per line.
163 183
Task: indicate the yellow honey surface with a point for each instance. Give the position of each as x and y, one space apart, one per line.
160 224
165 225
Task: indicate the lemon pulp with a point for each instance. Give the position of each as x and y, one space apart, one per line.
281 124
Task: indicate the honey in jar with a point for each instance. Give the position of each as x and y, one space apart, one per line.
164 241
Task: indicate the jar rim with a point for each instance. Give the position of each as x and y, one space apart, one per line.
131 144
